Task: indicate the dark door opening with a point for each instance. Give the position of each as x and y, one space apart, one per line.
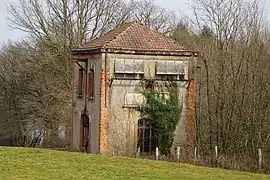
146 136
85 133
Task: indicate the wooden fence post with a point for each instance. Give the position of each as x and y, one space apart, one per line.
178 153
156 153
216 156
195 154
138 152
260 158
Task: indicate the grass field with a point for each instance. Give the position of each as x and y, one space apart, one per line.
26 163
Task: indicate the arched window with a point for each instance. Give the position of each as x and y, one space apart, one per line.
147 140
85 133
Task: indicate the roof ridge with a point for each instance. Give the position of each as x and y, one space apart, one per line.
115 37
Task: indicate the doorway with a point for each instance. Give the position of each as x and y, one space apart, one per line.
85 133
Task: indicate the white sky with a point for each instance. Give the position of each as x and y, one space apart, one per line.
7 33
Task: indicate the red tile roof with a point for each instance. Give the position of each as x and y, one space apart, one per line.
133 37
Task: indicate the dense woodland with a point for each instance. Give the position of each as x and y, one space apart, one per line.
232 38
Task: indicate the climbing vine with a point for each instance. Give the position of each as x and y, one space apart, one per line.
163 109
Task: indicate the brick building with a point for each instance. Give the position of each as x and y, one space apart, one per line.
107 72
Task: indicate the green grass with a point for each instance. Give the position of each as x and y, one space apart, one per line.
26 163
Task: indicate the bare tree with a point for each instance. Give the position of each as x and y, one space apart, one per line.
233 103
55 28
19 125
153 16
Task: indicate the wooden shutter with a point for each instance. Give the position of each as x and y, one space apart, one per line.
91 83
179 66
171 68
139 66
120 66
129 66
80 82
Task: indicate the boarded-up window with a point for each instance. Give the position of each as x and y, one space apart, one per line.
80 82
161 67
91 83
119 66
133 99
129 66
169 67
128 69
139 67
179 67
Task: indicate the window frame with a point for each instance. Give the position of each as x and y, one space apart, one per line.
128 69
147 144
80 82
91 84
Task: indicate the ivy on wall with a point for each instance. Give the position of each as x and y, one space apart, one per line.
163 109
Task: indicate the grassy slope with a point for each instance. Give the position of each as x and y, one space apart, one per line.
25 163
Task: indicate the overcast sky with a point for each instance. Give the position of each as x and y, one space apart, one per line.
8 33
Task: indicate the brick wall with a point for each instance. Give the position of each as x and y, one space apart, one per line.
103 123
190 103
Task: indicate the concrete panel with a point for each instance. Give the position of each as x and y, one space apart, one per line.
122 121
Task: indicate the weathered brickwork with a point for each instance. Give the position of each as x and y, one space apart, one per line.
103 137
191 101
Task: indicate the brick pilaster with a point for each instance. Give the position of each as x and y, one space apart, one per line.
191 105
103 140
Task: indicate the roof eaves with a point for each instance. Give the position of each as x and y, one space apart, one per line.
86 51
185 53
